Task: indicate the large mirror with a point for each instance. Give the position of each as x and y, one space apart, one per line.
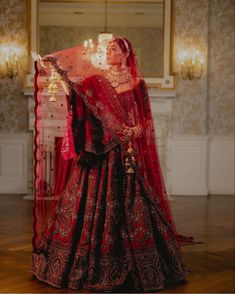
67 24
147 24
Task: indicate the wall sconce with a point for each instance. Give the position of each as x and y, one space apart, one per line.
10 66
191 65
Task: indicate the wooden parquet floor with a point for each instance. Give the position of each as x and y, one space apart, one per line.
208 219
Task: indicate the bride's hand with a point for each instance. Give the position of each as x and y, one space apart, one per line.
129 132
37 57
126 133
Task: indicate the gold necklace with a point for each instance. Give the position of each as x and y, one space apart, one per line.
117 77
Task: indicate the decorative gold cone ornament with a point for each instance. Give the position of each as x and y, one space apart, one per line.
52 87
130 158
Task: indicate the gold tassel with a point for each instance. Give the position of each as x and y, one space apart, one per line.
52 87
130 151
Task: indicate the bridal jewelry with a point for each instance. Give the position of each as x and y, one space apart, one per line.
130 158
117 77
52 87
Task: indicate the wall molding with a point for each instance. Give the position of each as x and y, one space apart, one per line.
14 163
221 165
200 165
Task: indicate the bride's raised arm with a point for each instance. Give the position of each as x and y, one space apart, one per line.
60 74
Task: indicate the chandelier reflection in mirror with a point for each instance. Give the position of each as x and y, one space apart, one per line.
98 58
191 65
96 54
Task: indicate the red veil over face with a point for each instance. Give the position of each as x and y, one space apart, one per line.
56 130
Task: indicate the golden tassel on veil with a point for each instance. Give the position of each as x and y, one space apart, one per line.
52 87
130 151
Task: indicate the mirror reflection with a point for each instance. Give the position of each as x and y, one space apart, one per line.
66 24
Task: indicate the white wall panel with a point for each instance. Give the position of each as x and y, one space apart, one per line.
14 163
221 165
188 165
201 165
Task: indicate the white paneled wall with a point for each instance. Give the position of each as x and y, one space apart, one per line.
193 165
188 165
221 165
14 163
201 165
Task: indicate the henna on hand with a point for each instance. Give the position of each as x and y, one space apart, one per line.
125 134
62 74
130 132
138 129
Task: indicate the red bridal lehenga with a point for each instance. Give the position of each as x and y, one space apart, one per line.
102 220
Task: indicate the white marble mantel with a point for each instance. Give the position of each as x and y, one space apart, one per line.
161 105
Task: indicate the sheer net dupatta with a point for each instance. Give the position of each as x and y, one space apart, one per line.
57 130
49 165
149 167
54 150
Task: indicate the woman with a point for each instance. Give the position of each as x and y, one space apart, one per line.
111 226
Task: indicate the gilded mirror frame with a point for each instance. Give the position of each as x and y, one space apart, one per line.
166 82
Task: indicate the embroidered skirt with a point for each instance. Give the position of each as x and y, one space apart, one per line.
106 235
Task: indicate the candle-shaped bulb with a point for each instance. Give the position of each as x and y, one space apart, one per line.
85 43
90 41
6 57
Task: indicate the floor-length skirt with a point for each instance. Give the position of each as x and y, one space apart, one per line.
106 234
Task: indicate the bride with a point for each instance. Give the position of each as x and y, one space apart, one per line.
110 226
